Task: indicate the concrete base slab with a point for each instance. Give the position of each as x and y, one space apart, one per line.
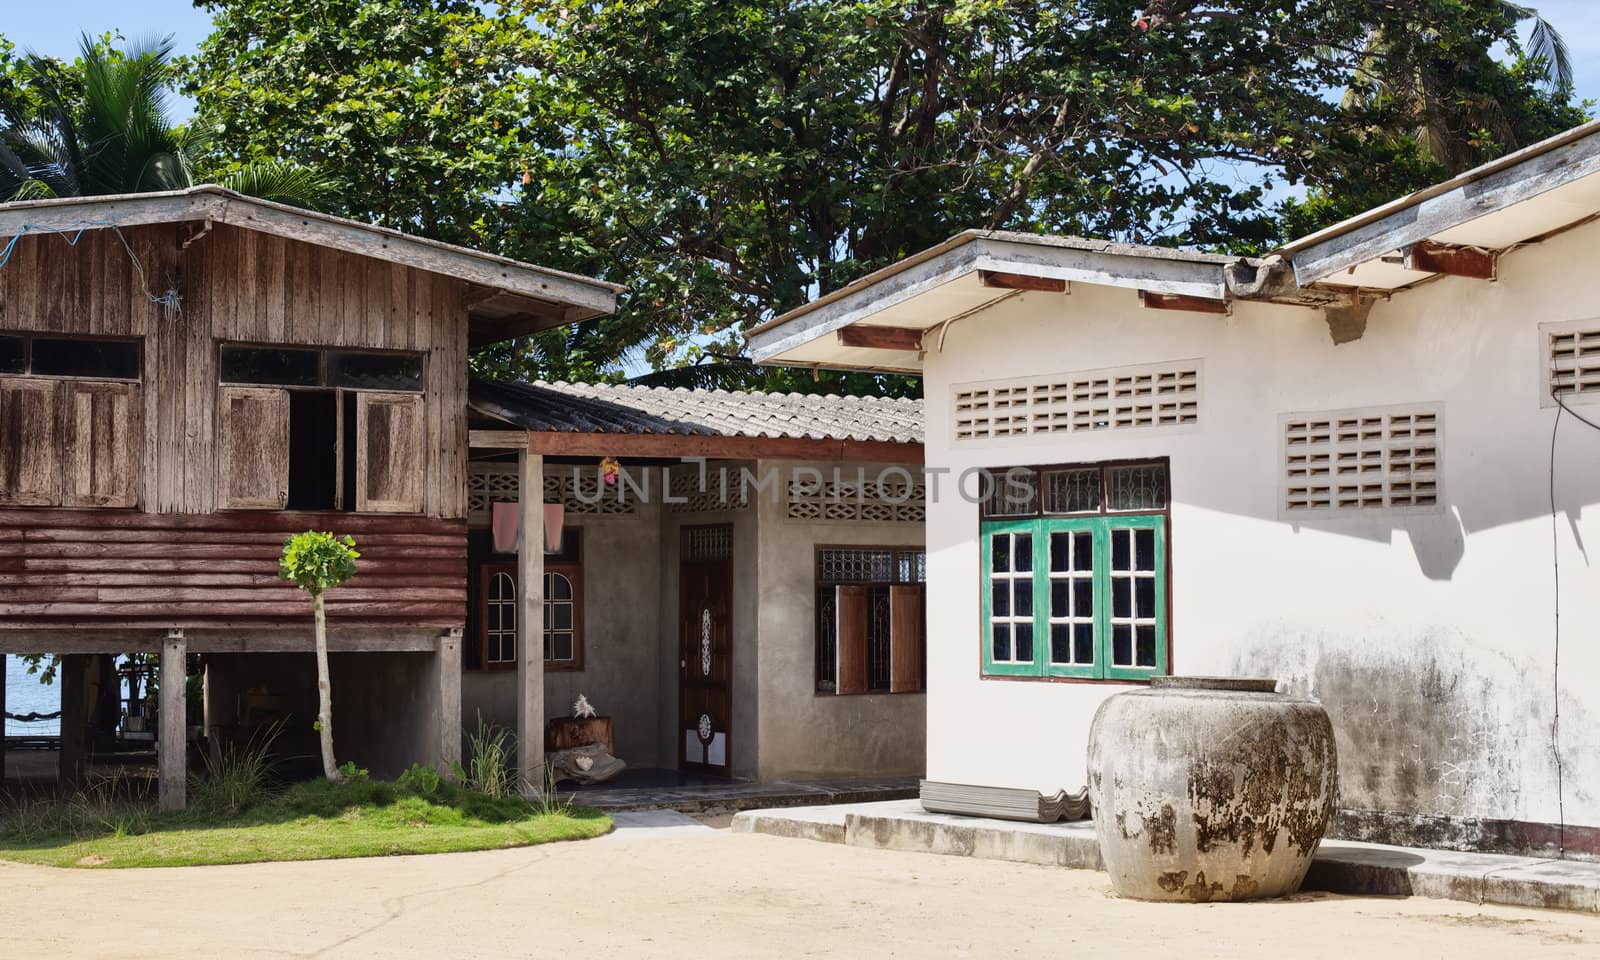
800 823
655 825
1340 866
733 795
904 825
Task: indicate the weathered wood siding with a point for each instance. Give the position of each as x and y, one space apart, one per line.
87 568
241 286
124 559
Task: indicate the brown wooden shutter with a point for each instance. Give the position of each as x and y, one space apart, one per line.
389 452
905 639
30 442
852 608
103 445
253 449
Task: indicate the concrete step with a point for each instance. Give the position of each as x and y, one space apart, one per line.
1340 866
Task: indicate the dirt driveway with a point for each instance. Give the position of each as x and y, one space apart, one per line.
688 891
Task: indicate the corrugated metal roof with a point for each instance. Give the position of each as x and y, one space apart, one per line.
608 408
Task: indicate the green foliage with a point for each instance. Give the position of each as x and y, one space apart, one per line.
422 110
491 761
317 562
238 779
102 127
731 159
421 779
317 819
349 771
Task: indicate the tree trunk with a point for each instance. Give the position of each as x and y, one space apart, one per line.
324 694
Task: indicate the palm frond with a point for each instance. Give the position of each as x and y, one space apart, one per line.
1549 47
730 373
282 182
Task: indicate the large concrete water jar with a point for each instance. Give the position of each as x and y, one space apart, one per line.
1210 788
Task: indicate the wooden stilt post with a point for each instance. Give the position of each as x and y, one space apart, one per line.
449 674
172 762
530 623
74 720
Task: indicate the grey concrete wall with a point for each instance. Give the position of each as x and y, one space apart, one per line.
804 733
621 586
389 709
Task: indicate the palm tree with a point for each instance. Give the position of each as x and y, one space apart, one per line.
1383 77
113 135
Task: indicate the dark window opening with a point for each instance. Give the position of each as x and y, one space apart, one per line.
84 357
313 449
878 638
871 628
347 483
375 371
13 355
305 367
291 368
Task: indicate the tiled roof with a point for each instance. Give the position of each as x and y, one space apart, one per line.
606 408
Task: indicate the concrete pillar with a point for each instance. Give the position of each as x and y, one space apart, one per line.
172 758
530 623
447 672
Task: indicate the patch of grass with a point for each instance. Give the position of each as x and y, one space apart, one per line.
307 821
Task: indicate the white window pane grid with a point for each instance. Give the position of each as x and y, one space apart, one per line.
1134 618
1072 613
501 612
1011 597
558 617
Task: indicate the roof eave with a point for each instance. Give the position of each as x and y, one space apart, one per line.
971 252
219 205
1494 186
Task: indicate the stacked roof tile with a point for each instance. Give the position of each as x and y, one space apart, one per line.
612 408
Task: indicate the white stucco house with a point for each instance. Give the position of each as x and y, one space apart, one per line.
1346 465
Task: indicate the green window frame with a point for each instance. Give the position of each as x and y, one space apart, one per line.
1075 596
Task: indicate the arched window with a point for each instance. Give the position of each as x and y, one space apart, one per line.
500 620
563 613
560 619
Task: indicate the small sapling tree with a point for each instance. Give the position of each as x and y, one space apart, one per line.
316 563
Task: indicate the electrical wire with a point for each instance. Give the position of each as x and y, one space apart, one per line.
1555 566
169 300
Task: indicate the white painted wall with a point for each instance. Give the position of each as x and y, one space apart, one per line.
1429 636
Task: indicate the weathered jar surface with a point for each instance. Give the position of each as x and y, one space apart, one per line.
1210 788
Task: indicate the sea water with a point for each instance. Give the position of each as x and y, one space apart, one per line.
25 694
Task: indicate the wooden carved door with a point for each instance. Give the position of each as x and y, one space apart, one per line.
705 649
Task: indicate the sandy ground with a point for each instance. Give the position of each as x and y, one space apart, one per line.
685 890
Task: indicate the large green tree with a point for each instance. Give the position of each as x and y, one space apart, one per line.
730 159
420 107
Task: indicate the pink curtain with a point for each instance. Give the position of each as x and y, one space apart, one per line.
505 521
